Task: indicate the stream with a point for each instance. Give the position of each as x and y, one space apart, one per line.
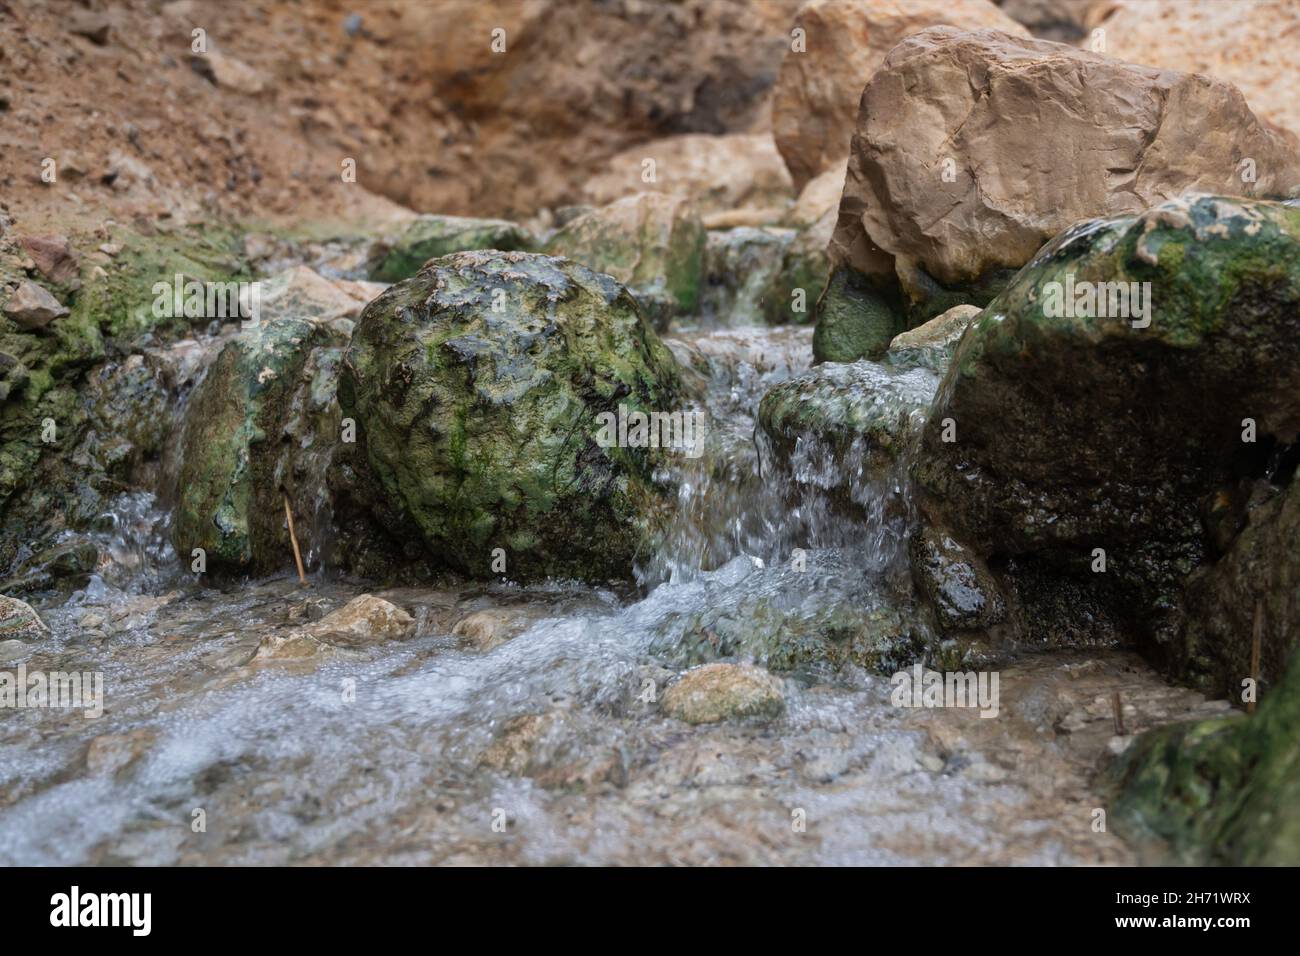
543 743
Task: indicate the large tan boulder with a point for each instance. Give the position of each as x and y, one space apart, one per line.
815 106
973 149
717 173
1251 45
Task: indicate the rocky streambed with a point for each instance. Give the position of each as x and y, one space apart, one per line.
910 522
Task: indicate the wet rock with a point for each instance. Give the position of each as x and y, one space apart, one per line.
491 627
71 561
740 269
429 237
818 618
715 692
799 284
257 429
854 320
30 306
1050 442
1233 42
1224 790
109 753
815 105
480 424
954 582
363 620
961 200
842 403
303 293
931 345
651 242
1260 573
19 621
715 173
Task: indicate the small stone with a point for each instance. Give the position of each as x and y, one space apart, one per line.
363 620
92 25
52 256
487 629
716 692
32 307
111 752
19 621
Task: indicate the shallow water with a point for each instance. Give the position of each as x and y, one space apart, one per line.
550 747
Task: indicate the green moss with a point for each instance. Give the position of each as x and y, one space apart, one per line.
429 237
477 385
854 321
1225 790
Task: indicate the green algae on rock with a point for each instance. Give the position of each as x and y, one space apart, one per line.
252 425
1224 790
651 242
1083 439
840 403
429 237
477 386
854 320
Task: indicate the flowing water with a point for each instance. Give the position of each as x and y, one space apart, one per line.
549 747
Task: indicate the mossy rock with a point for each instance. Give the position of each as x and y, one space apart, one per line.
1224 790
107 414
250 428
1057 433
429 237
476 386
854 319
651 242
801 280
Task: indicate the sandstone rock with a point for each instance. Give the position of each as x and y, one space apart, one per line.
819 197
715 692
19 621
53 257
717 173
1237 42
931 345
1051 434
480 424
303 293
429 237
815 106
31 307
363 620
651 242
491 627
972 192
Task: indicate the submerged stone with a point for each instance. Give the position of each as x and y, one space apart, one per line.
716 692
